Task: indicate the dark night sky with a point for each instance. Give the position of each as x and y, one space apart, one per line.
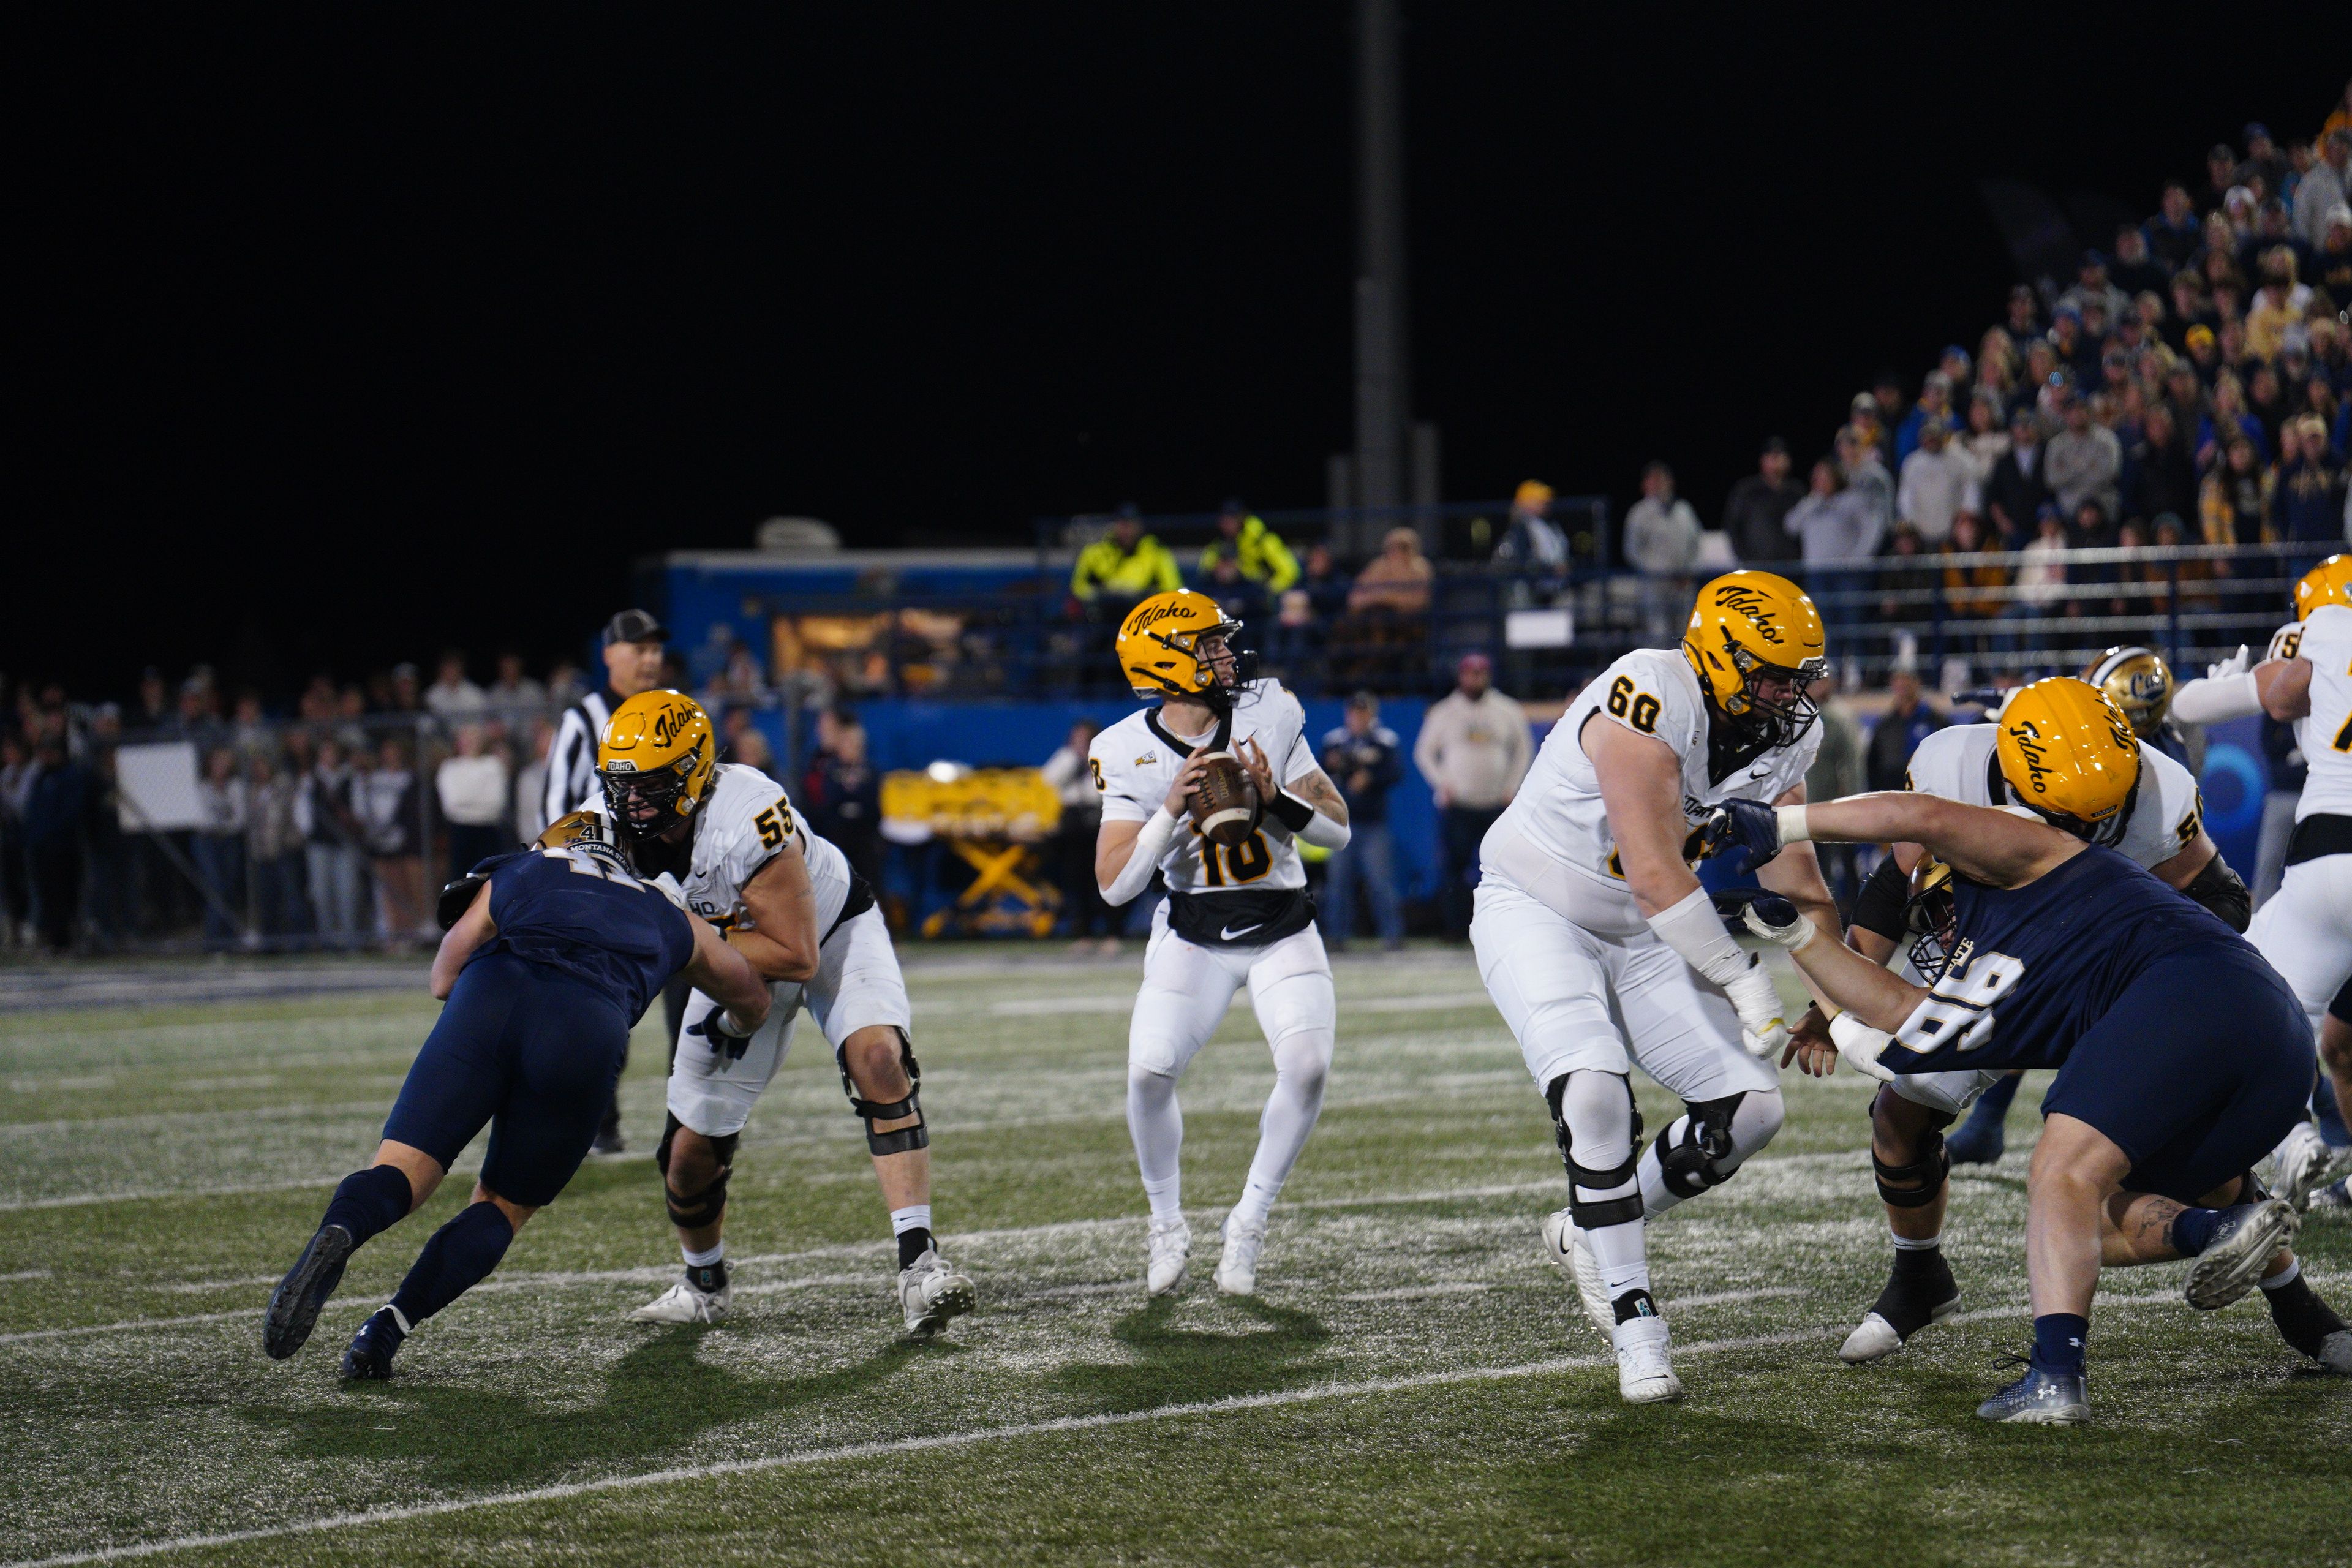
389 330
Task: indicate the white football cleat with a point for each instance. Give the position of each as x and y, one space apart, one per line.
2303 1164
1645 1368
1874 1339
682 1303
1237 1264
2245 1240
2336 1351
1569 1249
1170 1244
933 1294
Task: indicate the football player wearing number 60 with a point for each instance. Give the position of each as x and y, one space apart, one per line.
2181 1056
1601 949
788 903
1232 914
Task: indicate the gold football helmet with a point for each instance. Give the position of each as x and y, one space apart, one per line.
1161 650
2329 582
2139 681
2069 756
577 827
1931 914
1751 631
656 760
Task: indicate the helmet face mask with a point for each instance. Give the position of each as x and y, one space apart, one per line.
655 764
1931 914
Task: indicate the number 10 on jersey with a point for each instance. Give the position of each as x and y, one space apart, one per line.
1246 862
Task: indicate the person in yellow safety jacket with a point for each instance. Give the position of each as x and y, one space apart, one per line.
1264 558
1124 565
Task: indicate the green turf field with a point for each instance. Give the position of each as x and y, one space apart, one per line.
1415 1384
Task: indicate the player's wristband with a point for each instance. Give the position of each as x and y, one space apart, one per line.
1151 843
1289 810
1793 824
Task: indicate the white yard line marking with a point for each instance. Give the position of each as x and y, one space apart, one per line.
83 1200
25 1274
1367 1388
1416 1292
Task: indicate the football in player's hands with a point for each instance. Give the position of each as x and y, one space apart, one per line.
1225 806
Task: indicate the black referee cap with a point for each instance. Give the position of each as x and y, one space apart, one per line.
634 625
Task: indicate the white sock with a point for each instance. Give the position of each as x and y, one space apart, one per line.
705 1259
1600 1117
1759 1117
2285 1276
1157 1126
1907 1244
1302 1062
914 1216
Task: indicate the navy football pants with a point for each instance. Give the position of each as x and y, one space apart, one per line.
531 1053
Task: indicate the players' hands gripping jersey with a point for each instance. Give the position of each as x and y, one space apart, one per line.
1958 763
2325 735
579 912
1135 761
1554 842
746 823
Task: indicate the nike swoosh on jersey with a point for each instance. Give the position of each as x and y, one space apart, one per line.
1227 934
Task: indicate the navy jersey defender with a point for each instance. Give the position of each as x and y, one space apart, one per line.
555 956
2182 1058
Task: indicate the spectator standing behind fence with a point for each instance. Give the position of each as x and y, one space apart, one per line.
57 807
1360 757
471 784
384 799
1532 543
1244 538
1938 483
1474 749
2083 458
1123 566
843 793
1756 513
632 650
1662 544
1908 720
221 801
1073 782
514 693
452 697
2307 492
274 850
1397 580
1834 525
330 843
2018 485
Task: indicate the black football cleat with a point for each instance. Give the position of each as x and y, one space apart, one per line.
294 1305
369 1357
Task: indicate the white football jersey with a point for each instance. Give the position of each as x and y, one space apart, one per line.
745 822
1958 763
1135 761
1553 841
2325 735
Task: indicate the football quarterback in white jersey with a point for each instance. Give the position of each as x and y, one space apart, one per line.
789 902
2063 750
1601 949
2305 929
1233 915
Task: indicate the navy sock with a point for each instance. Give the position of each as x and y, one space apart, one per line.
459 1256
2191 1231
2058 1342
913 1244
370 1201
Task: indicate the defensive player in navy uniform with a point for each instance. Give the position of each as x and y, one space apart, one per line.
2063 750
2183 1056
552 961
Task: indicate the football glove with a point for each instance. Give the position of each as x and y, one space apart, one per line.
1776 919
1859 1045
1748 824
2236 664
456 898
723 1041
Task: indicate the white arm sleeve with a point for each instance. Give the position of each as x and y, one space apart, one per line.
2208 702
1694 930
1322 831
1151 843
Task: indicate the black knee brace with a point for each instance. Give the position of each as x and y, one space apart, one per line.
905 1140
703 1208
1591 1214
1695 1164
1925 1173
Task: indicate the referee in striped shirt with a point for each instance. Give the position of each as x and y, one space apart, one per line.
634 645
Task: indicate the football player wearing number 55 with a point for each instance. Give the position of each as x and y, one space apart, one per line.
790 903
2183 1056
1237 911
1601 949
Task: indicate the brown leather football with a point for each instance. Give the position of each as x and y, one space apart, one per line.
1225 806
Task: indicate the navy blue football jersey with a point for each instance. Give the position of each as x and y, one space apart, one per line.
580 912
2033 967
